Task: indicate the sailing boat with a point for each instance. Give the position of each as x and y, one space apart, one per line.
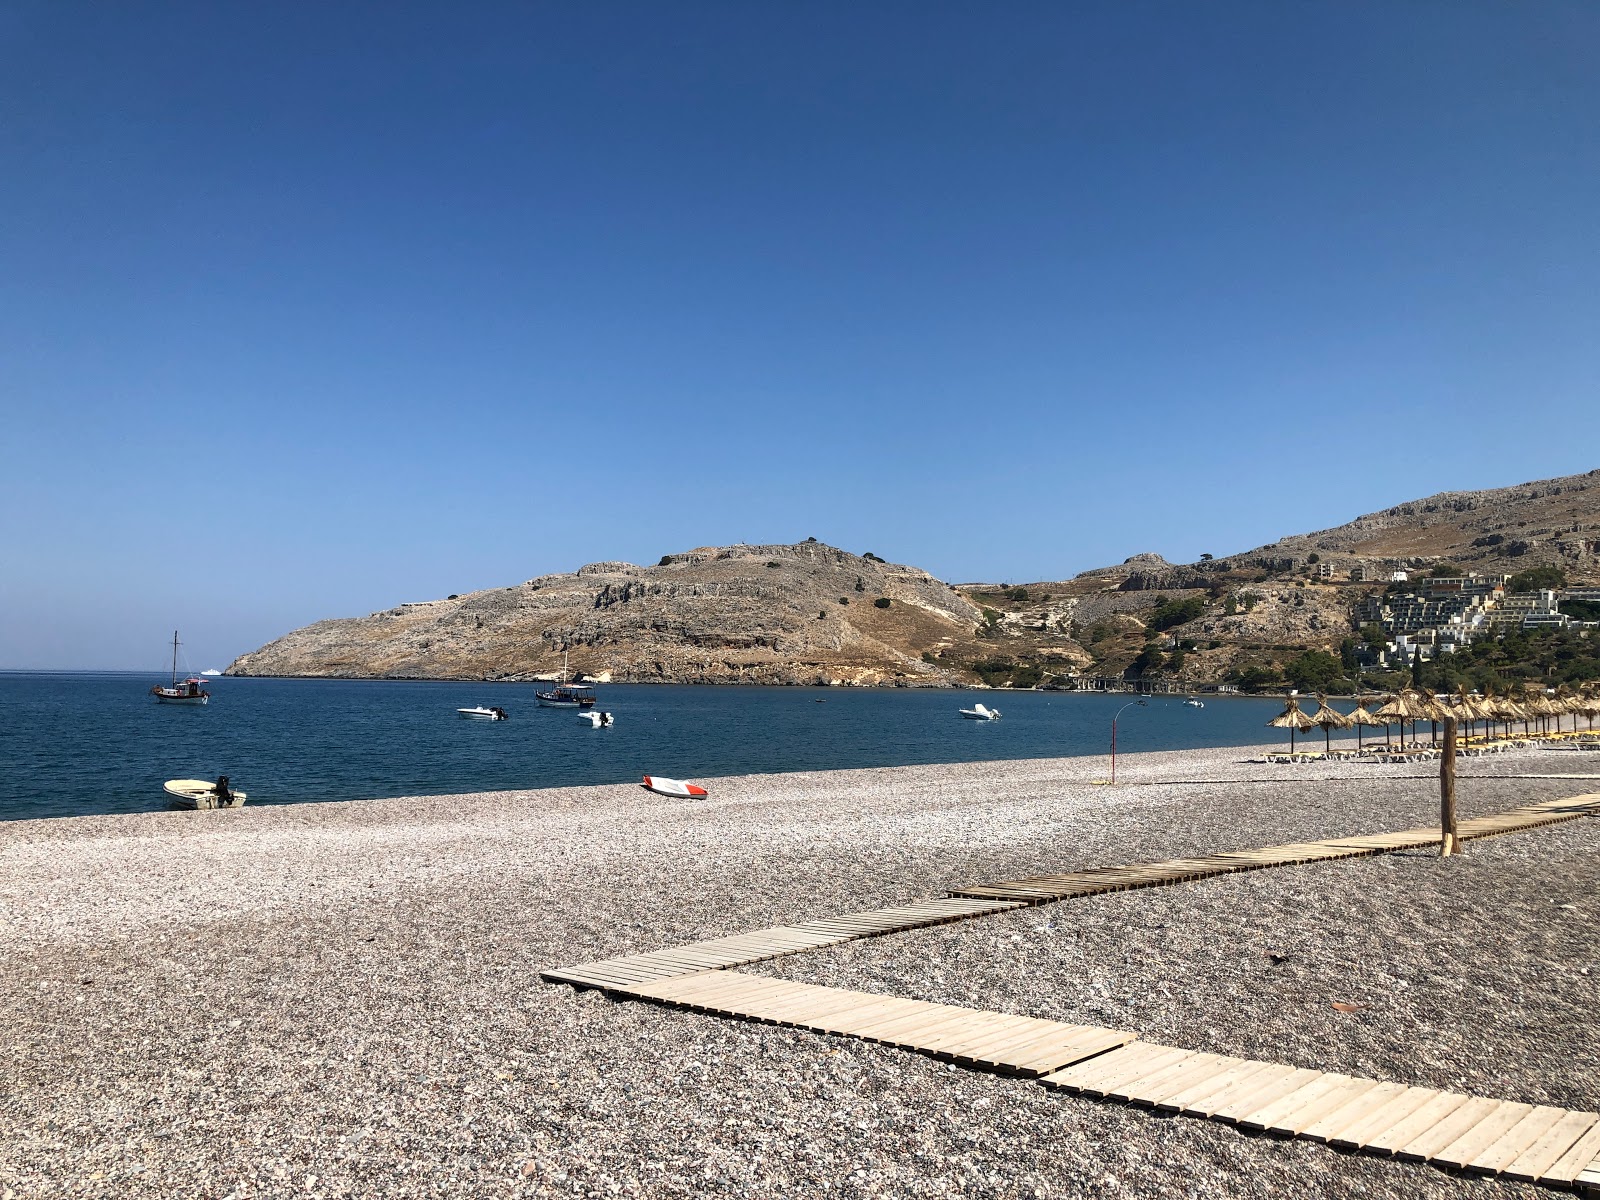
187 692
566 695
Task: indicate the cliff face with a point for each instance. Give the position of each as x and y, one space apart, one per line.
738 614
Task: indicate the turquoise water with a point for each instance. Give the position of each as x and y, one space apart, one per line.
72 744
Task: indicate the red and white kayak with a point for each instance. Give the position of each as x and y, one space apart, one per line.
663 786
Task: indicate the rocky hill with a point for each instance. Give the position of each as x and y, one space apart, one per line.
1263 607
1552 521
806 613
810 613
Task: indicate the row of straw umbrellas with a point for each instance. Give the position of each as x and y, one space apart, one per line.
1413 705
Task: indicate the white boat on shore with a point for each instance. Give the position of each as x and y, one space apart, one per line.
199 793
981 712
480 713
676 788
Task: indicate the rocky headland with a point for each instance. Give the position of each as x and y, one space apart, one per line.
782 614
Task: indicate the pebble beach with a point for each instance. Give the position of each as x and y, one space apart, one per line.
343 999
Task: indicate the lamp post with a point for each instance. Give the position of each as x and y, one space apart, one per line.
1114 717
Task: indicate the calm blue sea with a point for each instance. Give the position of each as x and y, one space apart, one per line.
72 743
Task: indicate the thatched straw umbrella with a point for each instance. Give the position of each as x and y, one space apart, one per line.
1509 712
1330 719
1294 719
1588 703
1542 707
1362 717
1474 707
1407 705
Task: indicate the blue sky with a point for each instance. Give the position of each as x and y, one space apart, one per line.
309 309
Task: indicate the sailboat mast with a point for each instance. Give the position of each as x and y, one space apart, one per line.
174 658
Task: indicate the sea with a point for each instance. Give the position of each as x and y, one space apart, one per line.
80 743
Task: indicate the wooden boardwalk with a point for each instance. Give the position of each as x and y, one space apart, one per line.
1533 1143
1541 1144
744 948
994 1041
1046 889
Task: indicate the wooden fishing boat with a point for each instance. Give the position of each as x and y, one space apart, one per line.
189 691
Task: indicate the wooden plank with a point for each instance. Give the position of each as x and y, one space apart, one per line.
1483 1134
1322 1098
1269 1113
1065 1046
980 1042
1191 1071
1080 1041
1384 1117
1286 1084
1335 1121
1247 1079
1538 1158
1408 1129
958 1041
1574 1160
1502 1152
1196 1099
1151 1082
1447 1131
1111 1068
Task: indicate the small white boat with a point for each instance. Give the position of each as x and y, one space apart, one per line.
213 673
483 714
663 786
1193 703
980 712
201 793
597 720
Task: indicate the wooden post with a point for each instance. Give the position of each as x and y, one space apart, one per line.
1447 791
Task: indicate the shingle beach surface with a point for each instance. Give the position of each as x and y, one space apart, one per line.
343 999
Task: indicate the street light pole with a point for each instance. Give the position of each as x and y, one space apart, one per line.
1114 717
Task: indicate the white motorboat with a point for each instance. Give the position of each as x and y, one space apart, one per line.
661 785
1193 703
187 692
200 793
981 712
483 714
597 720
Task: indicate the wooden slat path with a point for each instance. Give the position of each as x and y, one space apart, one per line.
1046 889
744 948
1542 1144
1030 1046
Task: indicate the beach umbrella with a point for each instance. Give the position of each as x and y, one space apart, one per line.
1362 717
1473 707
1434 712
1294 719
1511 712
1411 705
1330 719
1543 708
1590 704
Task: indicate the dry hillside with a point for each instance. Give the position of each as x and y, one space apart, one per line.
806 613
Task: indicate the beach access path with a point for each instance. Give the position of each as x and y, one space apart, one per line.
343 999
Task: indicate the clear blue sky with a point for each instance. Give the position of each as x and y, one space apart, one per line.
309 309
